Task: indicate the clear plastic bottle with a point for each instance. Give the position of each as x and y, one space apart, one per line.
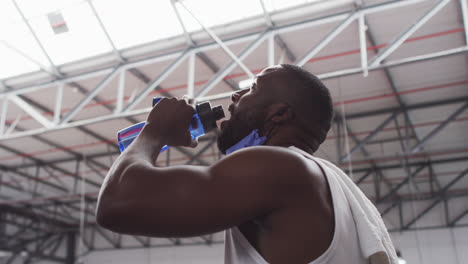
203 121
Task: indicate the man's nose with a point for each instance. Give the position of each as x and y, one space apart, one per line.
237 95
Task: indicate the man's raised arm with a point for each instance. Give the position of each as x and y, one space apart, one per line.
142 199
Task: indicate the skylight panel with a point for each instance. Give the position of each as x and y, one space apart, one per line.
84 38
18 52
134 22
274 5
8 13
212 13
13 64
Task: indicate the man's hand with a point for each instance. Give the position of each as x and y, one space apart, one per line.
169 122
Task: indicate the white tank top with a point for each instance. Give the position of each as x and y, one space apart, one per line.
344 247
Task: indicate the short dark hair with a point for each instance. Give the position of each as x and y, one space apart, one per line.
314 101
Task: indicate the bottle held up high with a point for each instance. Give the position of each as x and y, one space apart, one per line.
203 121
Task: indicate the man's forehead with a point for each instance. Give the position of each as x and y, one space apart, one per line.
270 70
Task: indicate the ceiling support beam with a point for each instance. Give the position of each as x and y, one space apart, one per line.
31 111
156 82
226 49
412 164
201 55
327 39
405 35
39 161
363 43
401 184
223 72
441 126
408 107
277 38
441 194
408 123
32 178
366 154
458 218
3 114
369 136
215 68
464 10
90 95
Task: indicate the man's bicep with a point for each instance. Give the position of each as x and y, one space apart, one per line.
191 200
199 200
205 200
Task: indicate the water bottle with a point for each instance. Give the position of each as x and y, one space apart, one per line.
203 121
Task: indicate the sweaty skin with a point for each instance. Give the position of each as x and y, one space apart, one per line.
279 200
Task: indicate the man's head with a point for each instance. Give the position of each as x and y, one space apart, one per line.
284 99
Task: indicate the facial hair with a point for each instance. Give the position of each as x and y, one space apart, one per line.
238 127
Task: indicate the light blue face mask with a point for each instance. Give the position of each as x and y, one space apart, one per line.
253 139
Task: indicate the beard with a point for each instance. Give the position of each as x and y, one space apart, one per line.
237 128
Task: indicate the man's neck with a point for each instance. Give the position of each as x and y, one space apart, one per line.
286 144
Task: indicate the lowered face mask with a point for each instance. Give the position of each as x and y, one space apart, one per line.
251 140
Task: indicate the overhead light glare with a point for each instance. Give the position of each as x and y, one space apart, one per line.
245 83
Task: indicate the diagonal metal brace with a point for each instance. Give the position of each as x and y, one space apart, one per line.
370 136
441 126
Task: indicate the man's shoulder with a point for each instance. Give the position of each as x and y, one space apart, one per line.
281 162
274 155
267 151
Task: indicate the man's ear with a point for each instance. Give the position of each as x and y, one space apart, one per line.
280 112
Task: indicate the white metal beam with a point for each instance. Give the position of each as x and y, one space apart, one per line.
191 75
220 42
329 37
120 93
31 111
157 81
181 22
406 34
3 114
266 15
58 103
394 63
363 44
271 49
89 96
228 94
222 73
464 11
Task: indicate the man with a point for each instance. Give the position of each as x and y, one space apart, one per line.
275 201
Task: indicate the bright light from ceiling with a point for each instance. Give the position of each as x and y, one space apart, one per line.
128 23
133 22
218 12
245 83
274 5
84 39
